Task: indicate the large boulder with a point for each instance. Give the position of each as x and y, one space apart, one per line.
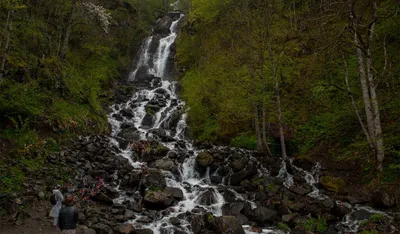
263 215
332 184
207 198
232 208
382 199
228 224
162 25
167 165
175 192
155 179
204 159
158 199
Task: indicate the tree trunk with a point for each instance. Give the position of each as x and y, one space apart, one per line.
68 31
7 45
260 147
371 145
364 88
380 152
264 131
278 104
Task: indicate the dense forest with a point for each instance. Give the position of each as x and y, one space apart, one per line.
59 61
314 79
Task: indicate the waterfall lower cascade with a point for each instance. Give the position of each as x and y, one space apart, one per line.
180 188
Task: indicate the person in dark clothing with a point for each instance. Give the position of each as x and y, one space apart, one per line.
68 217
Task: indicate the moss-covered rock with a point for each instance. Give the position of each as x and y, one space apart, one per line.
204 159
332 184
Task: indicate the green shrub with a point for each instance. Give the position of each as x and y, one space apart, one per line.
245 141
283 226
312 224
377 218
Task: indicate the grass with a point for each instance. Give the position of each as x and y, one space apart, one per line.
312 224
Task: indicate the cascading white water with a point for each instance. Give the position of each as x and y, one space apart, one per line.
143 120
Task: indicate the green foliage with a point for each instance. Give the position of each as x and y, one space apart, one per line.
283 226
245 141
369 232
377 218
312 224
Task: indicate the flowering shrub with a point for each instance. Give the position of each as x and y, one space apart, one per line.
100 13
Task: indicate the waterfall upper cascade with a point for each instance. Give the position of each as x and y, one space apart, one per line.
155 112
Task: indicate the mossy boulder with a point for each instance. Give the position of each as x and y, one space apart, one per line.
204 159
158 199
332 184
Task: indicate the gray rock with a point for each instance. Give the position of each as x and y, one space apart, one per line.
228 225
232 208
382 199
142 231
175 192
129 214
328 203
158 199
102 229
300 190
262 215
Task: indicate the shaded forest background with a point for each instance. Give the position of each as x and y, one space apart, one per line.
284 77
320 76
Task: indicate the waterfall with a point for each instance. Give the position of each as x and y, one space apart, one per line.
156 107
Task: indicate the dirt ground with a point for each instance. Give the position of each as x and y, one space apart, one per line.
39 223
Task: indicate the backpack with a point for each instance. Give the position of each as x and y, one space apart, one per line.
53 199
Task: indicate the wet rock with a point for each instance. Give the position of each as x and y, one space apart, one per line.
287 218
204 159
340 210
126 113
237 165
207 198
328 203
230 196
101 197
158 199
243 220
232 208
175 221
147 121
102 228
215 179
167 165
196 224
163 25
155 179
300 190
228 224
382 199
262 215
175 192
361 214
297 206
